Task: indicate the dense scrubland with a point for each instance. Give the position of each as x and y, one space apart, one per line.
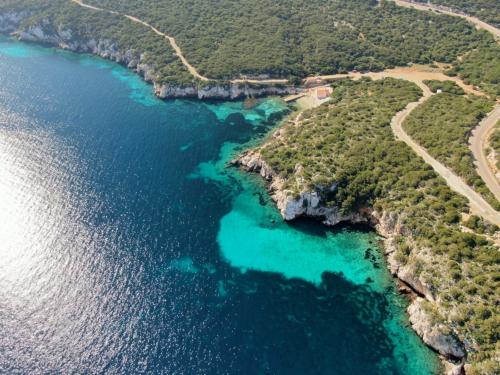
287 39
445 86
443 125
480 67
86 24
486 10
300 38
349 142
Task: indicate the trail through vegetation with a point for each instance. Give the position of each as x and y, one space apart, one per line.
170 39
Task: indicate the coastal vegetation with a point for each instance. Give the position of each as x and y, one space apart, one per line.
443 126
486 10
481 68
348 143
302 38
287 38
444 86
87 25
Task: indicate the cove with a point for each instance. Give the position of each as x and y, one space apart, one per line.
127 244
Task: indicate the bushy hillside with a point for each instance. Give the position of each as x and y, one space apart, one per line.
443 126
348 143
284 38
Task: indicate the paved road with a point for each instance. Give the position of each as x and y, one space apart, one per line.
478 146
478 206
476 21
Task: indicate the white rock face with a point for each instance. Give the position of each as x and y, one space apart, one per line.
306 204
223 91
453 369
436 336
65 38
407 275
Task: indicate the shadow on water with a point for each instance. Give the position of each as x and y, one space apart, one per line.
315 227
343 334
135 250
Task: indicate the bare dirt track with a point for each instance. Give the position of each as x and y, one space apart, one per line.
170 39
417 75
194 72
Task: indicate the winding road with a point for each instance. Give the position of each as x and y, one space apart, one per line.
170 39
478 205
194 72
478 142
476 21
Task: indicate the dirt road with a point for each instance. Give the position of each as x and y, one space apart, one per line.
478 146
416 74
170 39
194 72
477 204
476 21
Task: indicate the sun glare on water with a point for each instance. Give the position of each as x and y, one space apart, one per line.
29 209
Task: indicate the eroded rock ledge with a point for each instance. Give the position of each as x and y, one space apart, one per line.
65 38
436 335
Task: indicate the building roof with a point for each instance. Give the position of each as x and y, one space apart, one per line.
323 92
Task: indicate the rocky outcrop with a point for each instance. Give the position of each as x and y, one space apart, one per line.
216 90
387 224
65 38
437 336
292 206
454 369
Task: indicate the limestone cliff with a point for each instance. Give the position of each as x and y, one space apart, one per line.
63 37
434 333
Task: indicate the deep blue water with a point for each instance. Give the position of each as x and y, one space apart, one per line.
128 246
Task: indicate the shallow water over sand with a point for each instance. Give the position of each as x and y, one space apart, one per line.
128 246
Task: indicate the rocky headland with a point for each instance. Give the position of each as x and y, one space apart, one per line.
435 334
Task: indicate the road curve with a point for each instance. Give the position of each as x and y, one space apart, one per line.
192 70
478 206
170 39
476 21
478 147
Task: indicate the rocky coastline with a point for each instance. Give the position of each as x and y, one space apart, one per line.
437 336
64 38
308 204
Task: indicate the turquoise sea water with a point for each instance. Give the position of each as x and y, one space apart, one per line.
127 244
